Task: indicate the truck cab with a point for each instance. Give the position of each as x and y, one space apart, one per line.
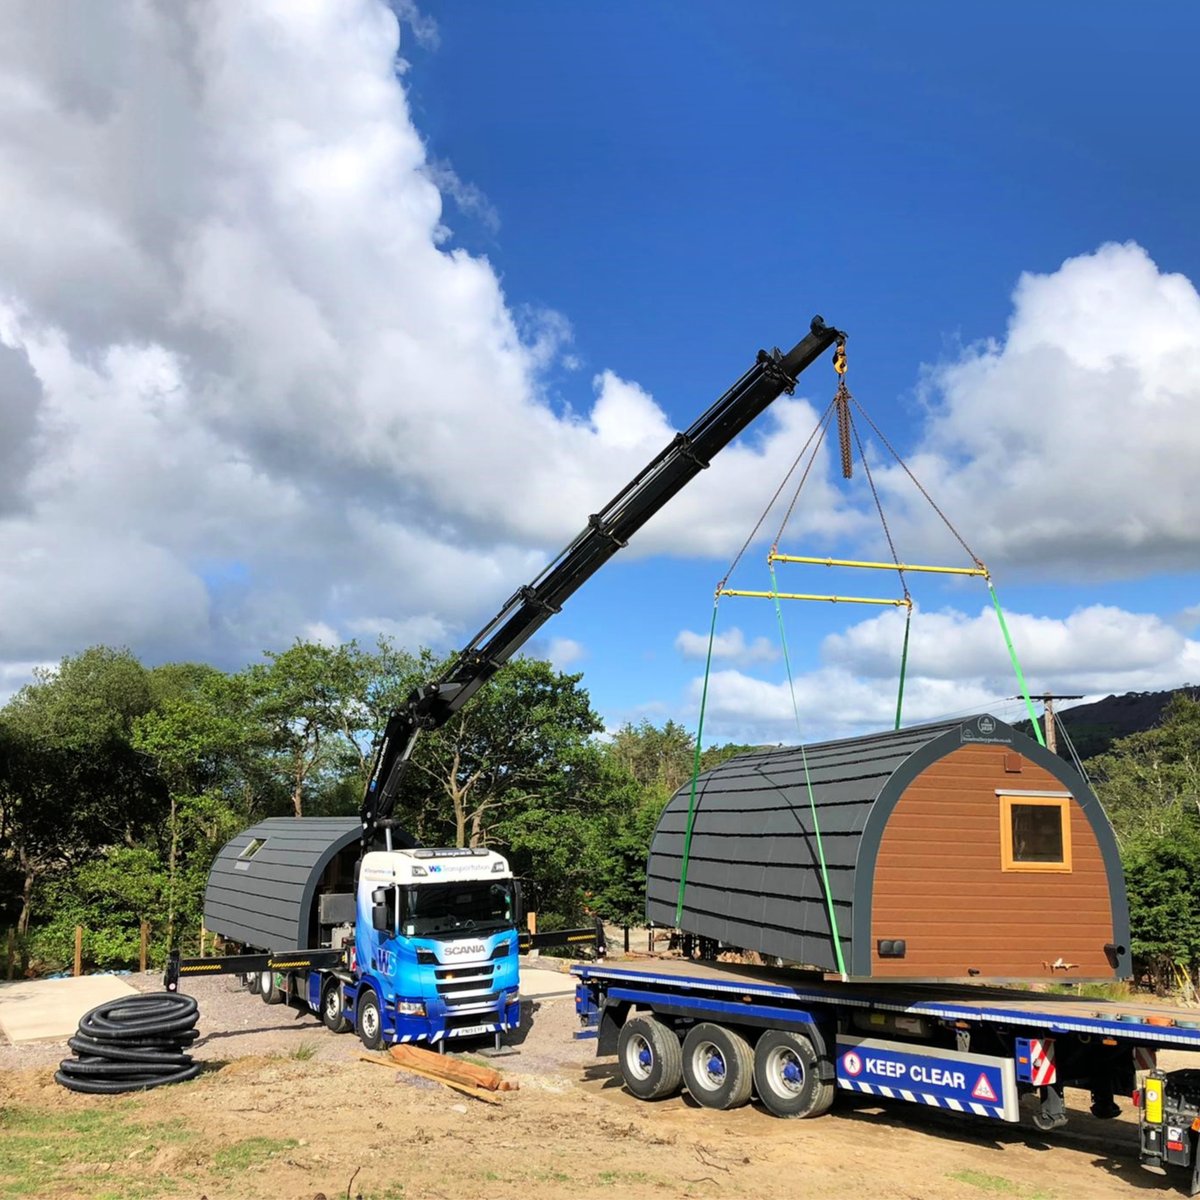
435 946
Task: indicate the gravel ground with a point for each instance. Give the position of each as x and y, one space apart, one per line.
234 1024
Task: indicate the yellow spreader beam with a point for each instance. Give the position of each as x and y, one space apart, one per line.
878 566
902 603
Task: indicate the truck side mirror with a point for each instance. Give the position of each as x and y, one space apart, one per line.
518 904
381 915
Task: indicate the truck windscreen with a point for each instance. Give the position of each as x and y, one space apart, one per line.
439 908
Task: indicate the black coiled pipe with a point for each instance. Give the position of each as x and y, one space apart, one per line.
132 1044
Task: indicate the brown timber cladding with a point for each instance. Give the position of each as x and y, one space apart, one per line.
939 883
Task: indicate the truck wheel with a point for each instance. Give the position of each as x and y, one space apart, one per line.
785 1076
718 1066
333 1008
651 1058
268 990
253 983
370 1025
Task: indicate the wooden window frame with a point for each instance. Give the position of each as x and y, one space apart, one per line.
1062 803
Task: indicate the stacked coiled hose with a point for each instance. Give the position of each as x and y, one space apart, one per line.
132 1044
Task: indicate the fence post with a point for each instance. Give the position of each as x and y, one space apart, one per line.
78 950
203 938
145 945
10 952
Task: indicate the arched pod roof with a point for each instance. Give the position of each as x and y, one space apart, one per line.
753 875
262 885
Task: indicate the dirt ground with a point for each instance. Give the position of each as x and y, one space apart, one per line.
285 1109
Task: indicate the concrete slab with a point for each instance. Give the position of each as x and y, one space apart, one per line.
36 1010
541 981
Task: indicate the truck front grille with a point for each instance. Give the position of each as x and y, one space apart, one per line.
462 986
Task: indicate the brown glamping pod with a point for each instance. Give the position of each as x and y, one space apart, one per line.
960 850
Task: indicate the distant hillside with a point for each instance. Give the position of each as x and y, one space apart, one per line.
1093 727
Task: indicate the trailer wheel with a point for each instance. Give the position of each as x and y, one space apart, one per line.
333 1008
268 989
785 1076
253 983
718 1066
370 1025
651 1058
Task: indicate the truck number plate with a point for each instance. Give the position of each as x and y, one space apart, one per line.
471 1030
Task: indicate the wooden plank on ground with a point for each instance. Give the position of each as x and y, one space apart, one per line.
452 1068
476 1093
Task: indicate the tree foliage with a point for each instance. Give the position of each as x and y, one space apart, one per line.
1149 783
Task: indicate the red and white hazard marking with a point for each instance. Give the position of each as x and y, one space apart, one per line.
851 1063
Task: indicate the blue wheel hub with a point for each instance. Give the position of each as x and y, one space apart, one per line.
716 1065
644 1057
791 1073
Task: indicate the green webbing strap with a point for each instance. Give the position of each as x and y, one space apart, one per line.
812 803
903 666
687 837
1037 731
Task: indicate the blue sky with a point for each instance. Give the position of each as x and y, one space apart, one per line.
308 345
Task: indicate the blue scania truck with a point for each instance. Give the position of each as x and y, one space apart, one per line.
425 949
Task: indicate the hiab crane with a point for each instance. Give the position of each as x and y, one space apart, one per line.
425 948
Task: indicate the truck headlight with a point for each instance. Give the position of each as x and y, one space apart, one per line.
410 1008
512 997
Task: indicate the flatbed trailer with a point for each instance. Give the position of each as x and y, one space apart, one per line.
793 1039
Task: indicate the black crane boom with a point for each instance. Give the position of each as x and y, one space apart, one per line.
685 456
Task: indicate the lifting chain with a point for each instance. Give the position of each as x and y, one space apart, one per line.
841 401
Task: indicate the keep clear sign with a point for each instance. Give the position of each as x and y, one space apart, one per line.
968 1083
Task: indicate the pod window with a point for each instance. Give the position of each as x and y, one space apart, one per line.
1035 834
256 844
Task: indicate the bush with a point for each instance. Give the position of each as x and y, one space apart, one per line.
110 897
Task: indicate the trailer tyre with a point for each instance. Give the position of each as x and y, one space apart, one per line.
370 1024
718 1066
651 1059
252 983
333 1008
786 1076
268 989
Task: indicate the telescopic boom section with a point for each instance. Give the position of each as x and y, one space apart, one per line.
608 531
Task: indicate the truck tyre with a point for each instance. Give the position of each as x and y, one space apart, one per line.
370 1024
268 989
785 1076
253 983
333 1008
718 1066
651 1058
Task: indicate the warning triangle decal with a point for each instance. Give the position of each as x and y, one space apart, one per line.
983 1090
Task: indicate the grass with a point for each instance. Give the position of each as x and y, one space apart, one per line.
112 1148
248 1153
40 1149
304 1051
997 1185
1117 990
611 1177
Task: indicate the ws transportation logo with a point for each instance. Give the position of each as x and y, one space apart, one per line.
974 1083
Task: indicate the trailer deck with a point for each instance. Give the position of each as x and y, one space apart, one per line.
1156 1024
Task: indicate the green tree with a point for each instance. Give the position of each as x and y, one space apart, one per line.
1150 781
515 746
1164 902
204 746
1149 784
71 782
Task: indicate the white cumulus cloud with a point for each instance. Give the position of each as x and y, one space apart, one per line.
957 664
249 389
1069 446
730 644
